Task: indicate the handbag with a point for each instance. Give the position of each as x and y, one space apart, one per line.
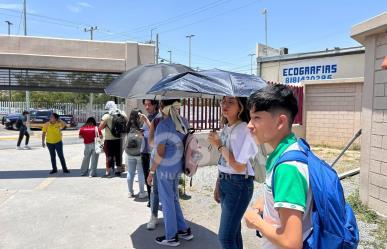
98 142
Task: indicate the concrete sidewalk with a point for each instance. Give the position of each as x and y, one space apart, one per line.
38 211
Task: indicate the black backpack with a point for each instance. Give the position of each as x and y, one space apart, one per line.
19 123
119 125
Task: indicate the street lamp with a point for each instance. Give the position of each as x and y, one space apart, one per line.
264 12
190 37
251 62
9 27
170 56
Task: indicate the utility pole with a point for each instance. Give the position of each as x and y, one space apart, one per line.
9 71
189 56
170 56
151 38
91 97
25 34
157 49
9 27
251 62
91 30
264 12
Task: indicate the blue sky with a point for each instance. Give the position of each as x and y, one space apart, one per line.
226 31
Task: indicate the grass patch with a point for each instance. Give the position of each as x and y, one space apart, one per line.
367 215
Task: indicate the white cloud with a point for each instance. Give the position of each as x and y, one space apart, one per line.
84 4
78 7
11 6
74 8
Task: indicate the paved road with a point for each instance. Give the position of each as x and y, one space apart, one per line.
38 211
8 138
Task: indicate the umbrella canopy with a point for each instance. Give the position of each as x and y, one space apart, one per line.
136 82
208 83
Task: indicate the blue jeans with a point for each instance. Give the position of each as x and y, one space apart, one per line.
169 196
134 163
58 147
235 196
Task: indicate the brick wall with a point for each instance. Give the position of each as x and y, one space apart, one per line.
377 173
332 110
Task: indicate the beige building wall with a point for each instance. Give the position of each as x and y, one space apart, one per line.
332 110
373 171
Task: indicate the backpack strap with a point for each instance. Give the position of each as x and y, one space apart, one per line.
293 155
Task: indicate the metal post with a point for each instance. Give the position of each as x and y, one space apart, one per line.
25 34
251 62
91 97
151 38
157 49
264 12
9 71
9 27
347 146
189 55
170 56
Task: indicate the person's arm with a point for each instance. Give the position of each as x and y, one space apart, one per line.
102 125
159 155
151 137
43 139
217 191
144 119
288 236
215 140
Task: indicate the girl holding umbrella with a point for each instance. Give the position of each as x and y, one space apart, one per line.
234 185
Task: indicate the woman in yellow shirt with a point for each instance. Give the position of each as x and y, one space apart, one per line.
52 136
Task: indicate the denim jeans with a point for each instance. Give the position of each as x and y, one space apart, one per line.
58 147
88 153
134 163
169 197
235 195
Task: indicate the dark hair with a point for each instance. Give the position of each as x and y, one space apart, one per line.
166 102
153 102
25 112
274 98
91 121
134 120
244 114
56 116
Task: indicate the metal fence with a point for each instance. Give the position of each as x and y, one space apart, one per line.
80 111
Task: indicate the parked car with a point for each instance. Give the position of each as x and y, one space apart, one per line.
9 120
43 116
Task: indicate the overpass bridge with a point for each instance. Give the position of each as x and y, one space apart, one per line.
65 65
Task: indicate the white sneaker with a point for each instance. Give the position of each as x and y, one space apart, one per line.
19 148
152 223
26 147
142 195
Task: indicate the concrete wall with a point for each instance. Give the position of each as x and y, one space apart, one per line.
373 172
76 55
332 110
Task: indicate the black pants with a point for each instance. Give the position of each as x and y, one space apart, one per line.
113 152
23 132
145 159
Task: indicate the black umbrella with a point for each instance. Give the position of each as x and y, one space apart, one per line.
207 83
136 82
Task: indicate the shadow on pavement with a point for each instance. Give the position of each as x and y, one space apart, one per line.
204 238
24 174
